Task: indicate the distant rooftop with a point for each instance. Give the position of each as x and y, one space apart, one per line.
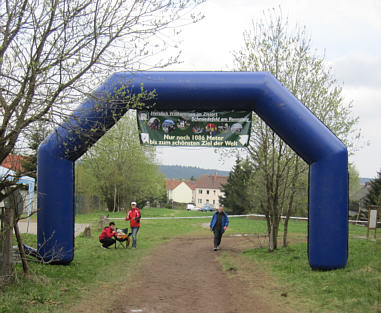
211 181
13 162
173 183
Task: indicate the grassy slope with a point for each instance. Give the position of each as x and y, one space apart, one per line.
353 289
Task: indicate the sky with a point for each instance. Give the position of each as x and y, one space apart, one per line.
347 32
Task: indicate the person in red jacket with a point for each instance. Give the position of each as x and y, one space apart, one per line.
134 217
107 237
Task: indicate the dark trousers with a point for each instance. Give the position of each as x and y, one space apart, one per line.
217 237
106 242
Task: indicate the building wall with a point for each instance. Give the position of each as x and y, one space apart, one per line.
181 194
204 196
24 194
169 194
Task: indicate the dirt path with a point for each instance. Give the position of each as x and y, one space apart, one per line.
185 275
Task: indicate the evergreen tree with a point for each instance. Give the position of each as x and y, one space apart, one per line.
374 195
236 198
37 134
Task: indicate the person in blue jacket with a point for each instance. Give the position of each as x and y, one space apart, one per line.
218 225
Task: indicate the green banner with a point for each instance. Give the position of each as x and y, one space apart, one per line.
194 129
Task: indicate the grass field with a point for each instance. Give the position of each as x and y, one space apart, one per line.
357 288
57 288
52 287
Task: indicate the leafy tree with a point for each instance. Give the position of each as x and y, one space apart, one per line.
280 175
354 179
236 191
374 195
119 170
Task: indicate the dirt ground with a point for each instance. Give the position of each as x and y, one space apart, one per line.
186 275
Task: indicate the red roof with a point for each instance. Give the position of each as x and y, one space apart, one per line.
191 184
211 181
13 162
173 183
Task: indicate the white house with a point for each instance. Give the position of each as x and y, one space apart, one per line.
180 191
207 190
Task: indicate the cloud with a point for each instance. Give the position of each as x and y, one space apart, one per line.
347 30
359 70
367 106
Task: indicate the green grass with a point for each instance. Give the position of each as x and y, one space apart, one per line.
356 288
147 212
52 286
57 288
243 225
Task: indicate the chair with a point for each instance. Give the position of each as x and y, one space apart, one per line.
123 239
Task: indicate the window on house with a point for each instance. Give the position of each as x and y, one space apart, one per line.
207 201
200 191
199 201
214 191
207 192
214 201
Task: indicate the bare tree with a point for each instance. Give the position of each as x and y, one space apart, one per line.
51 52
280 175
54 52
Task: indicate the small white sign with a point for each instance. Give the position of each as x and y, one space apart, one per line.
373 219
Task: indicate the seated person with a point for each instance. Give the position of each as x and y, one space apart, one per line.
107 236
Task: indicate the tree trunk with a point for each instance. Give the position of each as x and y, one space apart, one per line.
288 214
285 231
275 231
271 238
21 250
268 225
114 206
109 202
291 201
265 212
7 265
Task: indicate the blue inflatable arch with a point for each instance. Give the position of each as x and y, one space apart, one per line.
201 91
